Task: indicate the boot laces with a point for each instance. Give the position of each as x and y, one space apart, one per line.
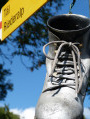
66 62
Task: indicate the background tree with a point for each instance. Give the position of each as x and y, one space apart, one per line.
5 84
30 38
6 114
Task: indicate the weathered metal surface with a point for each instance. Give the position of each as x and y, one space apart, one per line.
67 71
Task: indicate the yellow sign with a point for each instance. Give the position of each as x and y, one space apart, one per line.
15 12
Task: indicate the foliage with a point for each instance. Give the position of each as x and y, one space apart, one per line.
27 44
4 85
6 114
84 117
33 34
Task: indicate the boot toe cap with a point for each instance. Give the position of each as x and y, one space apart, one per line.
58 107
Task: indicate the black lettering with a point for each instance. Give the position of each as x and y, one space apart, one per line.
13 18
8 24
21 12
18 15
5 26
11 22
6 10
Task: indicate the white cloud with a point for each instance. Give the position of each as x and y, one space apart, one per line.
25 114
30 112
87 113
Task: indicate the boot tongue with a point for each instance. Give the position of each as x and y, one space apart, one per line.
68 27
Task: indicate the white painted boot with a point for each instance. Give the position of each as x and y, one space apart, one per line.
68 68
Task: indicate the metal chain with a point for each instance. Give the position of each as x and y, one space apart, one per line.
71 6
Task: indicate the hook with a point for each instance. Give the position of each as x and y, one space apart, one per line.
71 6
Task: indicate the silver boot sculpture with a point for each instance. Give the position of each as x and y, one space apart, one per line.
68 68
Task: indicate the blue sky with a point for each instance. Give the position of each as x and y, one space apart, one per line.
28 85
